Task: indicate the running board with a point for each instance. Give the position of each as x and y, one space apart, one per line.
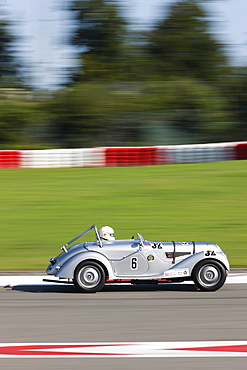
65 281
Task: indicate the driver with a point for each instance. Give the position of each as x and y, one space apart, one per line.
107 233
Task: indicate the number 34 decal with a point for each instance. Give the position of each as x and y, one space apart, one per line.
210 253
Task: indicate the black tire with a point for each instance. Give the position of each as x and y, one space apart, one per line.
209 275
89 277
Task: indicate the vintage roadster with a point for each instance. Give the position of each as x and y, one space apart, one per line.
90 265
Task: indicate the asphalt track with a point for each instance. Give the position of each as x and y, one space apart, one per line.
49 313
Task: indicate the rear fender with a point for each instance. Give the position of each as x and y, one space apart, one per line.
192 260
67 270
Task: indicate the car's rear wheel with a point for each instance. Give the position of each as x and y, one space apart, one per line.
89 277
209 275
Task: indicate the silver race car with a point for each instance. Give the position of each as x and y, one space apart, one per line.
91 265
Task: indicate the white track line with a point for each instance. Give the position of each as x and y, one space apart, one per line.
11 280
124 349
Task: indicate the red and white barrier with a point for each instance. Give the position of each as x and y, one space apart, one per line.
130 156
200 153
10 158
59 158
123 156
241 151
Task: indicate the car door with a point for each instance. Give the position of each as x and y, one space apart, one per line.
125 257
132 265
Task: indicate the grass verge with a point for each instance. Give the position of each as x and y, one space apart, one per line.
44 208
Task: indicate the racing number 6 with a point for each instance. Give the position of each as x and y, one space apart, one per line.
134 263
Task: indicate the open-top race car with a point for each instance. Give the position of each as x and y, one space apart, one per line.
90 265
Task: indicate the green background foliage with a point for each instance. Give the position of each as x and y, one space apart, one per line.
42 209
170 84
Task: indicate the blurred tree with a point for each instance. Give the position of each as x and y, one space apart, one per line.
234 90
99 33
92 114
71 116
8 65
18 116
178 46
182 44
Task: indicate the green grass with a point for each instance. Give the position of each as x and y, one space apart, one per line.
41 209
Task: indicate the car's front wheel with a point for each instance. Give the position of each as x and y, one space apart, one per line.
89 277
209 275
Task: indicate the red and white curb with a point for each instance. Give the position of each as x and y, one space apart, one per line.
11 280
127 349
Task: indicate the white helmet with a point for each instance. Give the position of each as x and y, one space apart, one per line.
107 233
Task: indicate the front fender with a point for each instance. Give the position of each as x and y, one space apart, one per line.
192 260
67 270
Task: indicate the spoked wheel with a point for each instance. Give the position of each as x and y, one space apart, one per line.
89 277
209 275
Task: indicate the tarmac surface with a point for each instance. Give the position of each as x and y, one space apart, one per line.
32 313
